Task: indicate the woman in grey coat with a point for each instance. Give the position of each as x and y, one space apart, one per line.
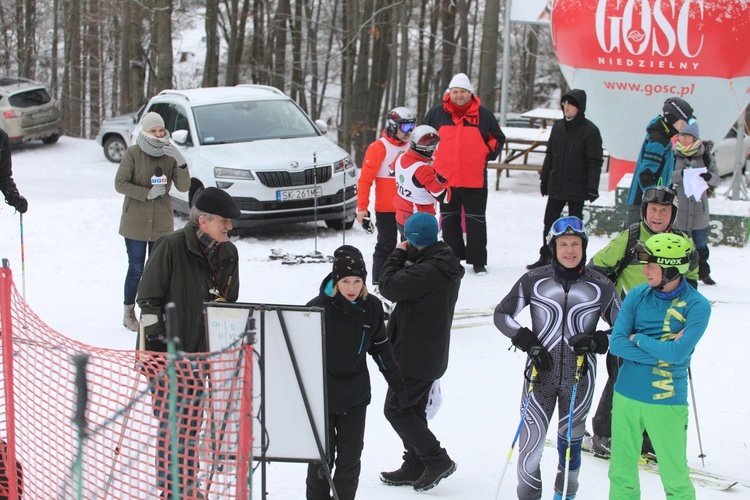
147 172
693 215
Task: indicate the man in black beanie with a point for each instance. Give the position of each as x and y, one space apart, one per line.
656 160
190 266
423 277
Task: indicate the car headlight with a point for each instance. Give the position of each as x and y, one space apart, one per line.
233 173
343 164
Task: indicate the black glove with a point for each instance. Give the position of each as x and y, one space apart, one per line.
647 179
156 337
543 188
526 340
399 398
440 178
367 224
15 200
583 343
593 195
706 176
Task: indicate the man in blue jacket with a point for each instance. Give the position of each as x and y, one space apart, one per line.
656 160
655 334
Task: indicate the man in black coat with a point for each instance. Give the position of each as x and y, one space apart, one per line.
572 166
423 277
7 186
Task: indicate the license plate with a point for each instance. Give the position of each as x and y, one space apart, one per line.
298 194
40 114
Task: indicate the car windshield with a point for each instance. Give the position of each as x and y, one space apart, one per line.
251 120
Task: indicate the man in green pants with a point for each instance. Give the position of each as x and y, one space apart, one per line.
656 344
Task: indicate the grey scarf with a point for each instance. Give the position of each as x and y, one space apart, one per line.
151 145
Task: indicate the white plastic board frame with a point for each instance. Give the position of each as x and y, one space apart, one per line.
289 435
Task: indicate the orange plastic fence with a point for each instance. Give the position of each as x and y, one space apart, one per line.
125 453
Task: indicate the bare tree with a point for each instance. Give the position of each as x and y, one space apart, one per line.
280 28
72 95
26 37
93 52
488 53
162 33
211 64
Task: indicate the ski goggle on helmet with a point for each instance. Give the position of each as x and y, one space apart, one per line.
567 226
402 119
661 195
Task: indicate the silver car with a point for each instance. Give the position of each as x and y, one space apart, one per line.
116 134
28 112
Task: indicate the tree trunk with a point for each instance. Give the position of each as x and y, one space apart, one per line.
462 11
528 73
280 23
211 64
132 60
448 42
72 98
26 38
93 49
348 34
298 73
312 57
488 54
259 56
163 56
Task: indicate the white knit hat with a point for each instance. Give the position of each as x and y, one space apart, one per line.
151 120
461 81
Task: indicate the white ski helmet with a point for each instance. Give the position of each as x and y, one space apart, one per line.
424 140
401 118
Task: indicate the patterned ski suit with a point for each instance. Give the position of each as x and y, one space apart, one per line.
560 308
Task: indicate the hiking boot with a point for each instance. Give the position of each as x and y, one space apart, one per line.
601 446
406 475
430 478
129 320
480 270
543 261
587 444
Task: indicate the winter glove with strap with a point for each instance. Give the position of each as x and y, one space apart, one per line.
583 343
706 176
528 342
172 151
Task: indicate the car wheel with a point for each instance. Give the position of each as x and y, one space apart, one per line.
51 139
114 148
338 225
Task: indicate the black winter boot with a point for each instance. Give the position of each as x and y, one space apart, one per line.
544 258
406 475
704 269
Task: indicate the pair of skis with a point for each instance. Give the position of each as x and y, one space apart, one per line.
291 259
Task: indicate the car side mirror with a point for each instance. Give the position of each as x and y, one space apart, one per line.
322 126
180 137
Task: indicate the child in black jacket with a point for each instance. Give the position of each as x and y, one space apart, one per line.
354 326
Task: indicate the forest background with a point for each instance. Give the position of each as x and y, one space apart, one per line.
344 61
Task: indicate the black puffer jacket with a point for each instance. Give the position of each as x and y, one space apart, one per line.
426 291
573 162
354 329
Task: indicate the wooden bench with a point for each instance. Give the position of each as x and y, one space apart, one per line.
511 166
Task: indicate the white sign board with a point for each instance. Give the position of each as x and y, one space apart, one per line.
288 431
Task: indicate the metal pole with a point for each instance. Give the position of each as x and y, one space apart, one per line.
82 399
739 160
174 468
695 412
23 263
506 64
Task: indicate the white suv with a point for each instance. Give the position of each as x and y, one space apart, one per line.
255 142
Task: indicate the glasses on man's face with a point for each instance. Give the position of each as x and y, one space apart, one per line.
406 127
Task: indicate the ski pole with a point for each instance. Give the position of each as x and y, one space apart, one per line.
82 399
579 364
23 263
315 197
695 412
518 431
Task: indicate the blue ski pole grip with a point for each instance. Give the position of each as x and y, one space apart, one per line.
82 399
169 313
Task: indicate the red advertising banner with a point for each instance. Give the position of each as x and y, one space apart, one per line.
630 55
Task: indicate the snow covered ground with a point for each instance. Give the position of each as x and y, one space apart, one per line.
76 263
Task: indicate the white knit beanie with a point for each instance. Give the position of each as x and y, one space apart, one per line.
461 81
151 120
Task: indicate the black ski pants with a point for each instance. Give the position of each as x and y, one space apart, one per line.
553 212
346 439
410 423
385 222
474 203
